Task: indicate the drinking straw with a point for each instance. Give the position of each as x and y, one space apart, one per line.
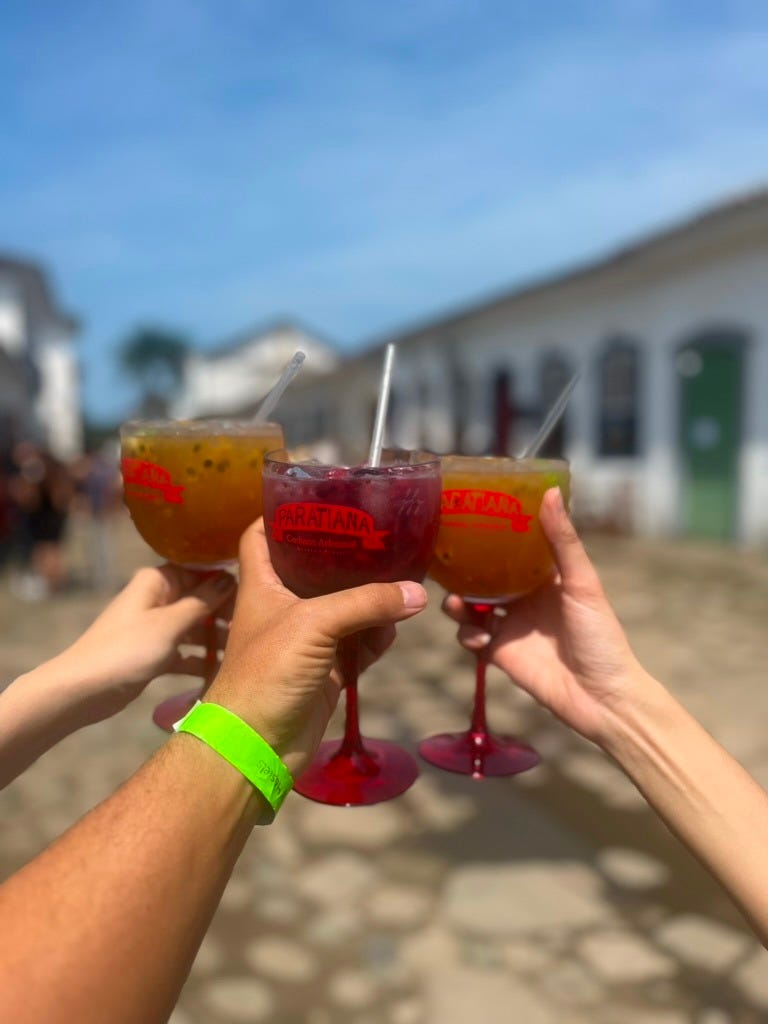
374 456
268 405
552 419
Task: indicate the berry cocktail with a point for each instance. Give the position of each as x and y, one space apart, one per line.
490 549
192 487
334 527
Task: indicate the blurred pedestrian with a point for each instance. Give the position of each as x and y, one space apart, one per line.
97 481
41 491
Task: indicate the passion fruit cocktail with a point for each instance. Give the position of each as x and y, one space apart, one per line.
192 488
491 550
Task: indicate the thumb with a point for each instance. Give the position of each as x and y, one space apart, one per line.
375 604
571 559
204 600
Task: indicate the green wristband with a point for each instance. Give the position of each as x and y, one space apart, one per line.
242 746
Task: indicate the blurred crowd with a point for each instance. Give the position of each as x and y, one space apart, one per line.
42 501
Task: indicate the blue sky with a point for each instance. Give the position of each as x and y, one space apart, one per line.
207 164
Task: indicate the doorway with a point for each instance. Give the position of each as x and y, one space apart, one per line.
710 370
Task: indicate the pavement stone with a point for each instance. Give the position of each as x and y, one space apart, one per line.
752 978
399 906
352 989
281 959
702 942
239 999
337 879
366 828
632 869
464 994
334 927
522 898
619 956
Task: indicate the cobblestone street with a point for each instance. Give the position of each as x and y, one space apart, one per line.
552 898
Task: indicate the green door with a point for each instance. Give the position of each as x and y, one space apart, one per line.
711 381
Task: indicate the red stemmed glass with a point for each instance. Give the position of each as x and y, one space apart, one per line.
192 487
334 527
490 550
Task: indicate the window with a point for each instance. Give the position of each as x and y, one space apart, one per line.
554 375
618 400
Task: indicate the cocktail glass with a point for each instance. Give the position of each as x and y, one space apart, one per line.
333 527
490 550
192 487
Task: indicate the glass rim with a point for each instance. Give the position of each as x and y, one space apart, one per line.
532 464
182 428
428 458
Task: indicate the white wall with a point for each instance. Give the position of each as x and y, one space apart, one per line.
226 383
661 307
58 403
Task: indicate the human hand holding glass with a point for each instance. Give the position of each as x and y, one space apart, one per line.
334 527
491 550
192 488
562 643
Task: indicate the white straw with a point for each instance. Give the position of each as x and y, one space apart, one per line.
377 441
552 419
267 407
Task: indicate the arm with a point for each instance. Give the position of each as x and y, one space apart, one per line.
564 645
135 639
104 925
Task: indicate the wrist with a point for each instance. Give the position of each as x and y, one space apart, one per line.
636 723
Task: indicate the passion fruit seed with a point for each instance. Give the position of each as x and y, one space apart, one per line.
223 466
208 463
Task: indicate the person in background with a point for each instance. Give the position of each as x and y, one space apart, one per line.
41 491
97 480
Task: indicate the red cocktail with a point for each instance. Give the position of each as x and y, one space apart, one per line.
334 527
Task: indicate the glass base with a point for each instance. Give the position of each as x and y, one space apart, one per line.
381 772
478 754
170 711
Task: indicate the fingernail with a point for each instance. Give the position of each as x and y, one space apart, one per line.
482 639
414 595
558 500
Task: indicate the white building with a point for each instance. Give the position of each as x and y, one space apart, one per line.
231 378
39 375
667 431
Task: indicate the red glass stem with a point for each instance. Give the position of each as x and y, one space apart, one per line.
349 664
478 729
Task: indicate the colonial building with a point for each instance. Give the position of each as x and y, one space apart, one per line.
39 376
231 378
667 431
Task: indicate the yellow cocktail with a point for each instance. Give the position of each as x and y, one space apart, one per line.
490 550
193 486
490 547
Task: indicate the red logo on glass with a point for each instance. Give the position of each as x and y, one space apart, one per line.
147 482
494 504
314 517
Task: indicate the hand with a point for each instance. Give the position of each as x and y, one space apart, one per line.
279 671
137 636
561 643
